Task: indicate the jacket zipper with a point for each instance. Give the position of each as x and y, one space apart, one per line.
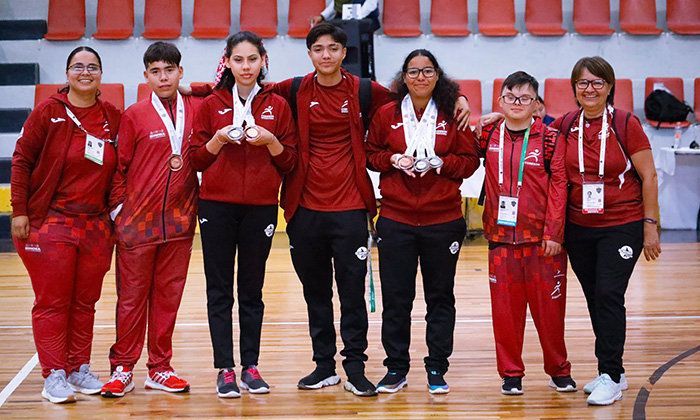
170 173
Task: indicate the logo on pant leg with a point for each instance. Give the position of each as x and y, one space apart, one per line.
492 279
270 230
361 253
32 248
626 252
556 293
454 248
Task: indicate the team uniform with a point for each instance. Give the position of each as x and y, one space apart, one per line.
154 230
65 195
326 200
604 247
420 219
519 273
238 211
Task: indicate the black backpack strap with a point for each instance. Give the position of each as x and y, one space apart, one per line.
484 147
365 100
549 144
621 133
296 82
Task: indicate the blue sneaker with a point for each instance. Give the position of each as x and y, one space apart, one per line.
391 382
436 383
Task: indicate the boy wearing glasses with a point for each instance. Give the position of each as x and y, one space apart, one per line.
525 191
154 205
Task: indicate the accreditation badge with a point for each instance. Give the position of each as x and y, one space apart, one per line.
593 197
94 149
507 210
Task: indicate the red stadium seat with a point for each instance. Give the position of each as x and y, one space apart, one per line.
638 17
495 107
623 95
592 17
544 17
115 19
497 18
110 92
675 85
558 97
143 91
697 100
683 16
211 19
66 20
401 18
259 16
449 17
472 89
162 19
300 14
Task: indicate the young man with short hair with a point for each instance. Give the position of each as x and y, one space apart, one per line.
526 190
154 200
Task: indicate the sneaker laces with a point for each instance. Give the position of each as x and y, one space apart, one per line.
121 376
59 380
86 374
253 372
229 377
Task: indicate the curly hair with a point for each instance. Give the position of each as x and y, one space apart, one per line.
227 79
444 94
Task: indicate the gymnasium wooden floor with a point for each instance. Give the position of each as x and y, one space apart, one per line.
662 353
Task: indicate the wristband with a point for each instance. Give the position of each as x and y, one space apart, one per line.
650 220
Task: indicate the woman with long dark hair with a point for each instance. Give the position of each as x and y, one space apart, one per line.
422 157
244 142
62 169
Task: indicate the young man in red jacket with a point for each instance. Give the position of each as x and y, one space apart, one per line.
154 199
524 224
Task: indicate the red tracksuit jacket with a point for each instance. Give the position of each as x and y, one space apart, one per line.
293 185
542 200
158 204
40 153
427 200
243 174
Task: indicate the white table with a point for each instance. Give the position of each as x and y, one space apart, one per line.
678 171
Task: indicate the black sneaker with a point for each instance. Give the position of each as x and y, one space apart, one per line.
391 382
359 385
512 385
318 379
436 383
226 384
563 383
252 381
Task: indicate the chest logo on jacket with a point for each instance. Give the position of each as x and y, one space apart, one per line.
224 111
157 134
57 120
441 128
533 156
267 113
396 126
344 107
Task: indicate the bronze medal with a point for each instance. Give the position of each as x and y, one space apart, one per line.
175 162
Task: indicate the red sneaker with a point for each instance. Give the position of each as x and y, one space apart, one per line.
166 380
119 384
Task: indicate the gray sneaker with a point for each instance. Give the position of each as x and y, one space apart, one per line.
84 381
56 388
253 382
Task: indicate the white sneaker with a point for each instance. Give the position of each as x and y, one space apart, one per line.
591 385
84 381
56 389
606 392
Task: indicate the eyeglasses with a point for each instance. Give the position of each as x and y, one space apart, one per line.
523 100
597 84
428 72
80 67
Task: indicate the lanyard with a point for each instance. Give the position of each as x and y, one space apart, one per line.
177 132
603 143
522 155
419 135
242 112
72 116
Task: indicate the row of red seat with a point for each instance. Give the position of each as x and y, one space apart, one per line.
557 94
401 18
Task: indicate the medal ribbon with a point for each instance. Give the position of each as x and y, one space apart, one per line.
522 155
177 132
419 135
240 112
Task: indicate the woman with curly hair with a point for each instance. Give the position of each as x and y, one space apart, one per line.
415 144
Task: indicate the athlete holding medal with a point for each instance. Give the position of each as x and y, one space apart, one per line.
244 142
415 144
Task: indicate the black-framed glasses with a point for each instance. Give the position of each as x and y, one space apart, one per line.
597 84
512 99
80 67
428 72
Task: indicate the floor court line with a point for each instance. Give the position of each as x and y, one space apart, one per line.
18 379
